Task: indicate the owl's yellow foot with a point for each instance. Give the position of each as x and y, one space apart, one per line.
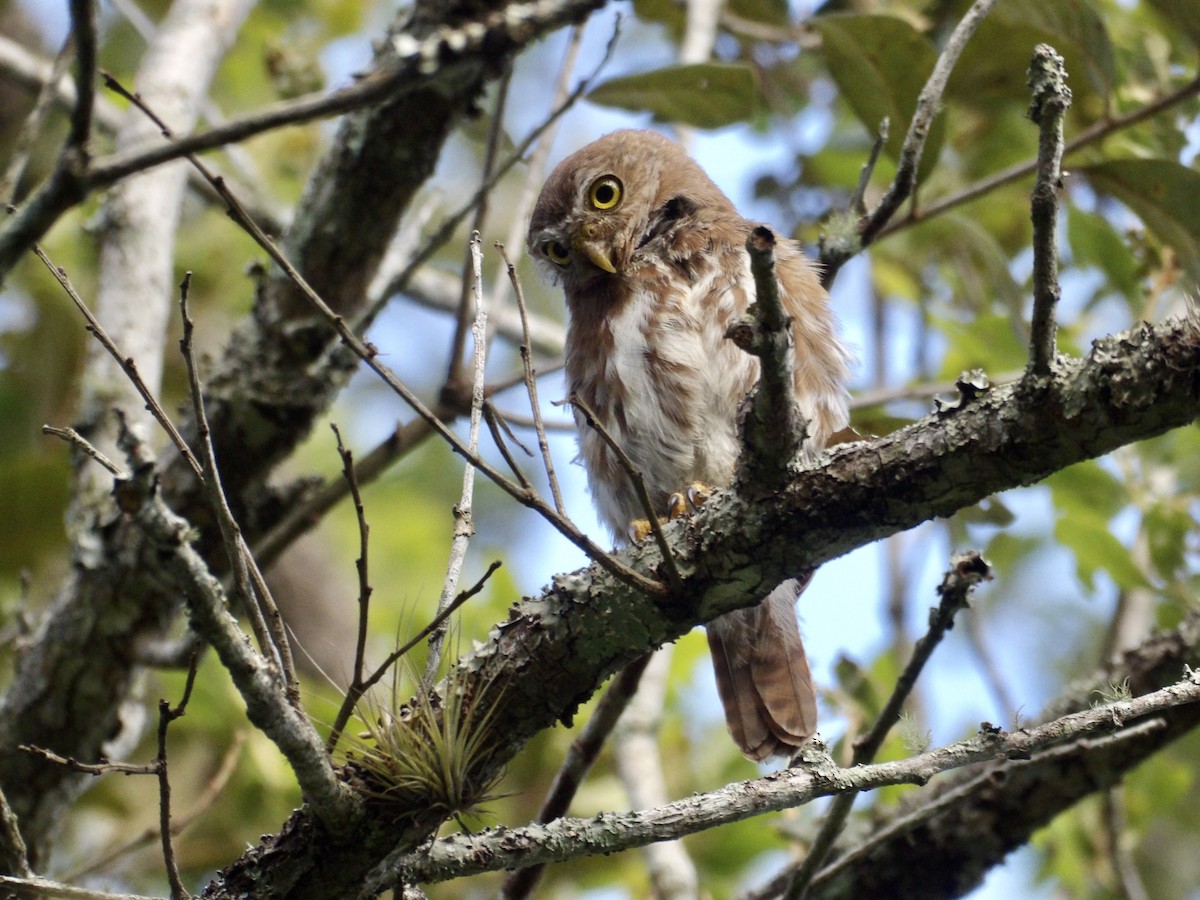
679 504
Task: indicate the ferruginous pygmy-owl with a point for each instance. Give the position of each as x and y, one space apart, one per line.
652 259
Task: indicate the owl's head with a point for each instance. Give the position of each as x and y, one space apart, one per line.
603 203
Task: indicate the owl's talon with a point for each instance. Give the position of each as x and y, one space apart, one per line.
697 494
639 530
677 507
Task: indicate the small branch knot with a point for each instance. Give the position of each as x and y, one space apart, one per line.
1048 81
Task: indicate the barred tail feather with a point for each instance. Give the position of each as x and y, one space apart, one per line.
763 677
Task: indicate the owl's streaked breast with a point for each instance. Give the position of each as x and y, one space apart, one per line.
660 376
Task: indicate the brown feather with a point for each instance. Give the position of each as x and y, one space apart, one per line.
646 351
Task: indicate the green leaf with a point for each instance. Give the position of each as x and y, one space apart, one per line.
1094 242
993 64
706 95
1096 549
880 64
1087 488
989 342
1162 193
1185 14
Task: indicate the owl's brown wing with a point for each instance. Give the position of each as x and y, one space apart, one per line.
762 675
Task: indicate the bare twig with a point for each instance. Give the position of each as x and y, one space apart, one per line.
127 364
208 796
250 586
499 430
1096 132
470 299
464 525
104 767
773 430
966 571
834 255
577 763
306 514
83 29
75 439
356 690
1051 100
333 803
568 838
858 198
639 487
33 886
166 715
534 172
364 582
535 407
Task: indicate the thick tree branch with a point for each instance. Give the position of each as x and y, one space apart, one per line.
943 841
502 848
556 648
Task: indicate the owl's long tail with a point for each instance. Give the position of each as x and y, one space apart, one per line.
762 674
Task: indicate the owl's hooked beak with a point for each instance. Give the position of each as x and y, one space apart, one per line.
587 244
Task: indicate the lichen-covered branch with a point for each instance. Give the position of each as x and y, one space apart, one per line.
503 848
558 647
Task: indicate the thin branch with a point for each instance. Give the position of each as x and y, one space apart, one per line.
499 429
928 103
857 202
309 511
361 565
1051 100
166 715
356 691
966 571
1094 133
83 29
834 255
577 763
249 585
77 440
127 363
534 175
203 803
535 406
461 855
639 487
333 803
470 299
464 524
34 886
773 430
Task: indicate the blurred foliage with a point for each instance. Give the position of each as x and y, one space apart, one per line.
938 295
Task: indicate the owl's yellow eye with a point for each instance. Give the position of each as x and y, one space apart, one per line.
556 252
605 192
